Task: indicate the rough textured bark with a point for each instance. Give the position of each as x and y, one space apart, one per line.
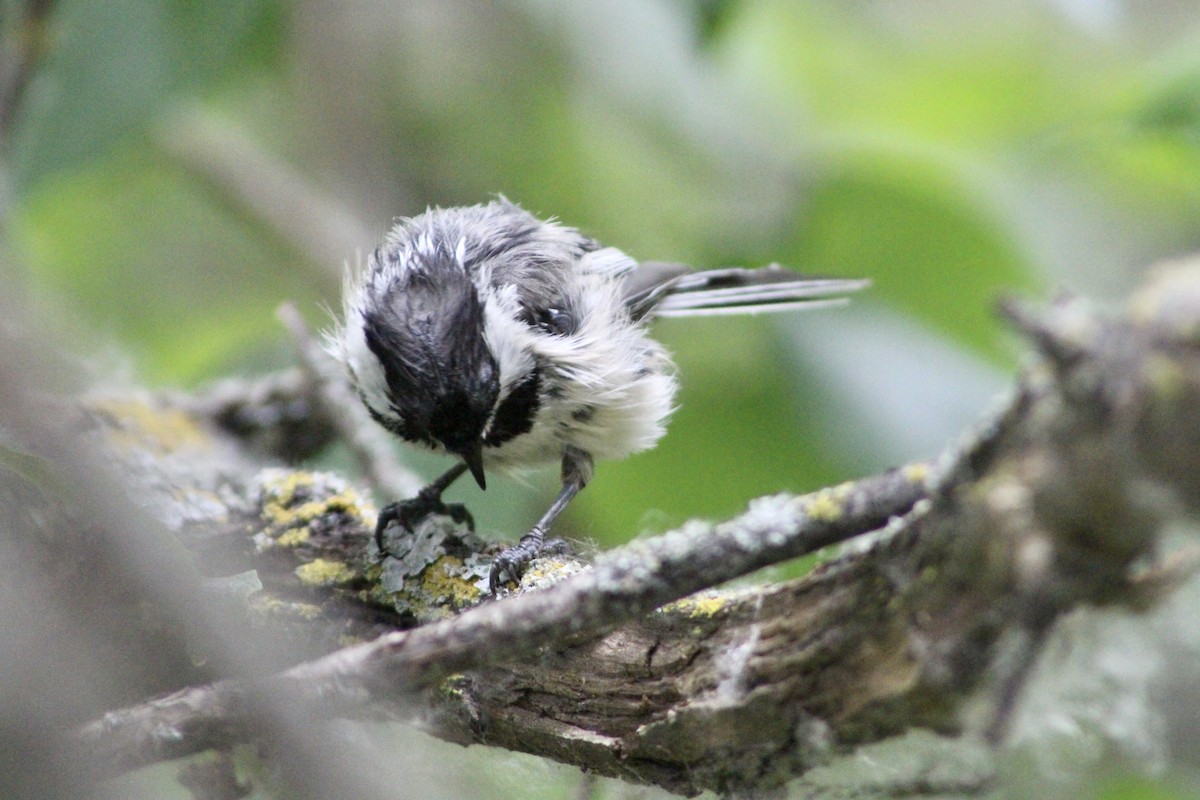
931 622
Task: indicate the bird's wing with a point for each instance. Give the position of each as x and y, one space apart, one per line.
674 290
646 285
608 261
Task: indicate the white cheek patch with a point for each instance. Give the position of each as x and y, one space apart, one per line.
509 339
348 344
365 370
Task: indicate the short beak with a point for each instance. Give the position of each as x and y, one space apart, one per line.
474 461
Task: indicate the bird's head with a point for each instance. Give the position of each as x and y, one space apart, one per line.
425 328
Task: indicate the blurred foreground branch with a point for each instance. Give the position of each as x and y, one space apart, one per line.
932 621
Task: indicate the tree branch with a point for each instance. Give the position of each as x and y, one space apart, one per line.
622 585
1057 502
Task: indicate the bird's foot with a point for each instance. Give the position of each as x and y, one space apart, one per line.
515 559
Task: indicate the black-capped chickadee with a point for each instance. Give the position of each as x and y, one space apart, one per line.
508 341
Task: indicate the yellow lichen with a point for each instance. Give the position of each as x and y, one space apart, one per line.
288 514
375 594
547 571
139 424
442 579
452 687
307 611
825 505
698 605
917 473
275 607
324 572
292 538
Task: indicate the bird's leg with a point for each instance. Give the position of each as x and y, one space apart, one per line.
428 501
576 472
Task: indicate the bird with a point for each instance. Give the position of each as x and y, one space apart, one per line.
509 341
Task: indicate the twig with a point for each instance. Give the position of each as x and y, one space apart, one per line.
279 413
22 44
305 220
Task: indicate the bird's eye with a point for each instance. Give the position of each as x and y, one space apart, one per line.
554 321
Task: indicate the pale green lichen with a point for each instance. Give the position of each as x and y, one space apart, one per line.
447 585
430 572
324 572
444 587
547 571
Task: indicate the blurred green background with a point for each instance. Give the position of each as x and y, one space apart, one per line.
172 171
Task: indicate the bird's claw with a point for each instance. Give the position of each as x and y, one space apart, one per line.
513 560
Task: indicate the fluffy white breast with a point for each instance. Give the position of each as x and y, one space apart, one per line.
606 389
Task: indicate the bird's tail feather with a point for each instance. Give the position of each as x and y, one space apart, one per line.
735 290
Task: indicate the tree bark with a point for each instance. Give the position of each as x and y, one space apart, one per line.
632 667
